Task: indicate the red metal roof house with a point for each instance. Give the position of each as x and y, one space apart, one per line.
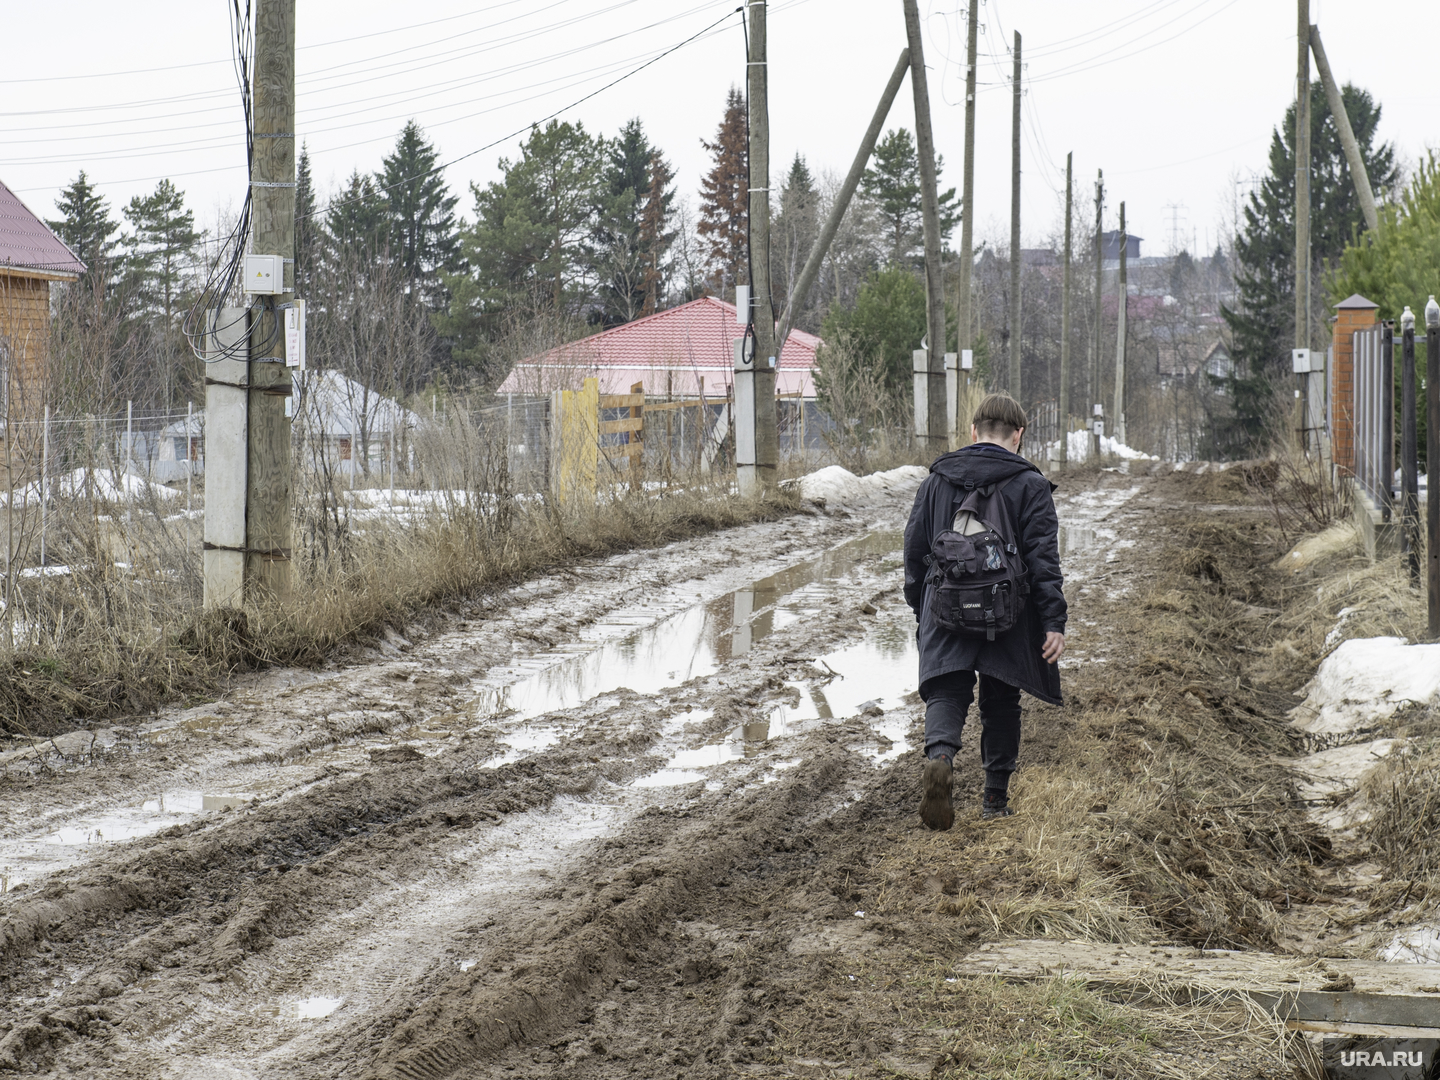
682 352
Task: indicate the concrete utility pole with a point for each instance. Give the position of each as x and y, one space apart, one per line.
268 483
967 205
1358 174
1120 335
1064 409
816 259
766 358
937 418
1099 298
1302 187
1014 379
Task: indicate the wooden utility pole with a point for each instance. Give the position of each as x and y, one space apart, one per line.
1063 420
767 356
1120 335
841 203
268 483
1099 305
967 204
1302 191
1014 380
1359 176
937 415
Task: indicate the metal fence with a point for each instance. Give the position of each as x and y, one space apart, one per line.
1374 416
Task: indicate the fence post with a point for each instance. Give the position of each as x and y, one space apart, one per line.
44 479
1432 460
1409 448
637 455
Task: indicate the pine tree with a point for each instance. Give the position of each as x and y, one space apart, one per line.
86 228
524 253
796 225
307 225
893 185
420 214
161 248
1262 322
724 199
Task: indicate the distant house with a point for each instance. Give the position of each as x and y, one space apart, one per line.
1179 362
343 423
31 258
686 351
1110 245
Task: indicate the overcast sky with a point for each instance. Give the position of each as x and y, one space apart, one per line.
1174 99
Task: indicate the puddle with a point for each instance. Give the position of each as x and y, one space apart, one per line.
689 644
875 674
871 677
311 1008
26 859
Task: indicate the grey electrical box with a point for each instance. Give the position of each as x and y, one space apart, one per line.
1304 361
264 275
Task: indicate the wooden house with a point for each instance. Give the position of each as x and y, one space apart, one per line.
31 259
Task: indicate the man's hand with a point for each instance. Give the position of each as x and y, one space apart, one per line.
1054 647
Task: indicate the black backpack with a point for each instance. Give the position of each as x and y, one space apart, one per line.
977 582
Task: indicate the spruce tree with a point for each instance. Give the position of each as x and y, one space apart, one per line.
86 228
420 213
624 260
724 200
656 237
307 225
161 248
1262 322
356 232
796 225
893 185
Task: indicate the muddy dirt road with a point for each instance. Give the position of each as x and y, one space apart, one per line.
623 821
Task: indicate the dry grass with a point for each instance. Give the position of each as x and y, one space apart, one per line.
120 631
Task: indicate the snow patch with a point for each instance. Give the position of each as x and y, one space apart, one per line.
1079 443
836 485
1367 679
1417 945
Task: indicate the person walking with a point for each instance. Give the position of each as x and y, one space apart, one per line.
971 646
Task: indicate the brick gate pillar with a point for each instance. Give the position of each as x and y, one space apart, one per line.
1354 313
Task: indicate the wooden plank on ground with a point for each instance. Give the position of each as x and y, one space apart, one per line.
1327 992
618 427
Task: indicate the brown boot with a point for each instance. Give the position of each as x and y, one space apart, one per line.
935 809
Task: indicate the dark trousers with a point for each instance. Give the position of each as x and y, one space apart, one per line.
947 702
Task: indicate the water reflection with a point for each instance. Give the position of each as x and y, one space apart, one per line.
689 644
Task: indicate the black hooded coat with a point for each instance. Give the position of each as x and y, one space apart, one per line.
1013 657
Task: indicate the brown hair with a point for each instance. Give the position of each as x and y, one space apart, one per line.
999 416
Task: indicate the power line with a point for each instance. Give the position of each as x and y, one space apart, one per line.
231 59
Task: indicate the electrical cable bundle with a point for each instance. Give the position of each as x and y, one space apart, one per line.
231 259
